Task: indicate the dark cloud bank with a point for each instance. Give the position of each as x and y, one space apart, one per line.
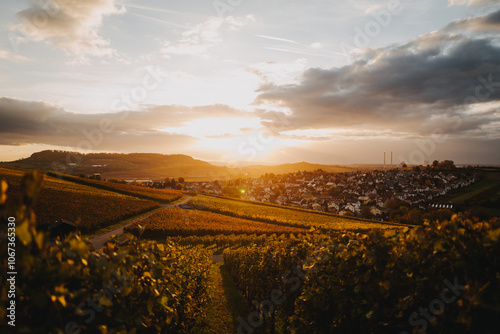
435 82
27 122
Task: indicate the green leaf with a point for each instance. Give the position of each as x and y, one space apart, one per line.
23 233
494 235
79 246
438 246
105 301
164 301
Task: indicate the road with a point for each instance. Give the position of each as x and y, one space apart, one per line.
100 240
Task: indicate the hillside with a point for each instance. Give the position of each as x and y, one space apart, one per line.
115 165
152 166
89 207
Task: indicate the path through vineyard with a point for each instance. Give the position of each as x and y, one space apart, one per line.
226 303
100 240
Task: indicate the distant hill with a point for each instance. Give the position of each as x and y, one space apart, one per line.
152 166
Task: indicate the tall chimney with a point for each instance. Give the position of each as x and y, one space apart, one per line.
391 157
384 158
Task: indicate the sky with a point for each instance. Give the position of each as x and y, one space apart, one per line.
275 81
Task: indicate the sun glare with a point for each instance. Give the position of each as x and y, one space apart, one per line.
216 127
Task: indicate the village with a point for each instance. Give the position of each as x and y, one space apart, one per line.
373 194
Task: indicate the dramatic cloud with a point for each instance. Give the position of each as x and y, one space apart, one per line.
431 84
487 23
28 122
70 25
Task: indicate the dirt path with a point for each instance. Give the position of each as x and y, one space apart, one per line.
100 240
218 258
225 304
171 205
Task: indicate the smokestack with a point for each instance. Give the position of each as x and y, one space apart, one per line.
384 158
391 157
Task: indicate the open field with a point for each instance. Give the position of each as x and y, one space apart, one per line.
482 197
87 206
284 215
488 187
482 189
161 195
178 222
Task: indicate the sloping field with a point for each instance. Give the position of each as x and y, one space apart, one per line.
487 188
178 222
161 195
283 215
89 207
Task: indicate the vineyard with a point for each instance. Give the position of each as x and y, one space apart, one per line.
161 195
283 215
441 277
89 207
65 286
178 222
375 283
127 287
224 241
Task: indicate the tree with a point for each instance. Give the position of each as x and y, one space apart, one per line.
334 191
447 165
181 180
415 216
231 191
366 212
442 215
393 204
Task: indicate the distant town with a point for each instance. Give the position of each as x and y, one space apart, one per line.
400 194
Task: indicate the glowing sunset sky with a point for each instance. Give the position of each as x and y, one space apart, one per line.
252 80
